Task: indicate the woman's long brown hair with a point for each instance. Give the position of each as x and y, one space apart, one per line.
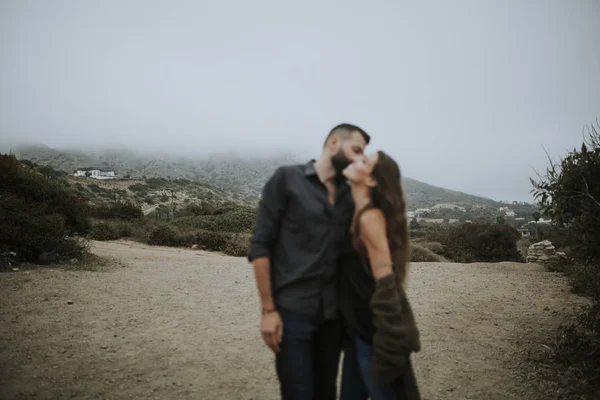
388 196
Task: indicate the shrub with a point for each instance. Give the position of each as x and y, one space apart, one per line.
238 245
164 235
95 188
123 228
423 254
436 247
214 241
569 193
138 188
149 200
156 183
104 231
124 211
39 215
479 242
238 220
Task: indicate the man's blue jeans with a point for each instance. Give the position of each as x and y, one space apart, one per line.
307 364
357 374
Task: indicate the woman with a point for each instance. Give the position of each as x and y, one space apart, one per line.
380 325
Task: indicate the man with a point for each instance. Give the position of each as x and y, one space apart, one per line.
303 216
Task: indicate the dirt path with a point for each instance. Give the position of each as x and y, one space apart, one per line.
182 324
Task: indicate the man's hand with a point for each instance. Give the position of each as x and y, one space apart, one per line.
271 328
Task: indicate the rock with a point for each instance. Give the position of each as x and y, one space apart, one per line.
15 269
195 247
74 261
542 252
70 302
560 254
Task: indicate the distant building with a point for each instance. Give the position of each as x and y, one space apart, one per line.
410 214
422 211
524 232
511 214
96 173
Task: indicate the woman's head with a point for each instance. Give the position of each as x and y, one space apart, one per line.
381 175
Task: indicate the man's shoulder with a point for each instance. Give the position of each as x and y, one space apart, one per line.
291 169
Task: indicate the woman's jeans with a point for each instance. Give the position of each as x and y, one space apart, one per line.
357 374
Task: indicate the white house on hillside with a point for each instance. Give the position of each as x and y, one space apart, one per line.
96 173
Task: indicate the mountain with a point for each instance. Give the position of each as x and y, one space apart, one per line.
423 195
243 176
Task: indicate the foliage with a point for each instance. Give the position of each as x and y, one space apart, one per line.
569 193
104 231
138 188
240 219
436 247
124 211
165 235
210 240
39 215
237 245
423 254
478 242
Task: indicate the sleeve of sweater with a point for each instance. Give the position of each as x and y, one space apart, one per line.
396 333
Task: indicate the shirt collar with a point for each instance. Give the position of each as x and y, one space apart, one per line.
309 170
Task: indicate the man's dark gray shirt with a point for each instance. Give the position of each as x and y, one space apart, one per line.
302 233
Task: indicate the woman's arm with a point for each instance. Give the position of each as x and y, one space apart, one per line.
373 232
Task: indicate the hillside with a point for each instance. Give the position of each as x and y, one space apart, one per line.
236 177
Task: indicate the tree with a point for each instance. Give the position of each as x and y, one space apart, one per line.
500 220
414 224
569 193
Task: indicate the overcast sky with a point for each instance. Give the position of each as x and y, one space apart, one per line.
464 94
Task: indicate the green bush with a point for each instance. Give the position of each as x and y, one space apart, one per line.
156 183
479 242
214 241
436 247
238 220
104 231
138 188
238 245
39 214
93 187
164 235
124 211
423 254
124 229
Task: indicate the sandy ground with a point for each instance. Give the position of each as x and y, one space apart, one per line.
164 323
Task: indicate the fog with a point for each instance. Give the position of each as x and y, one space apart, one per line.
467 95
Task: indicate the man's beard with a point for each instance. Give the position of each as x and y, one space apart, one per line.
339 162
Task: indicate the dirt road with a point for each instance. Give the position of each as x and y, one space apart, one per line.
166 323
